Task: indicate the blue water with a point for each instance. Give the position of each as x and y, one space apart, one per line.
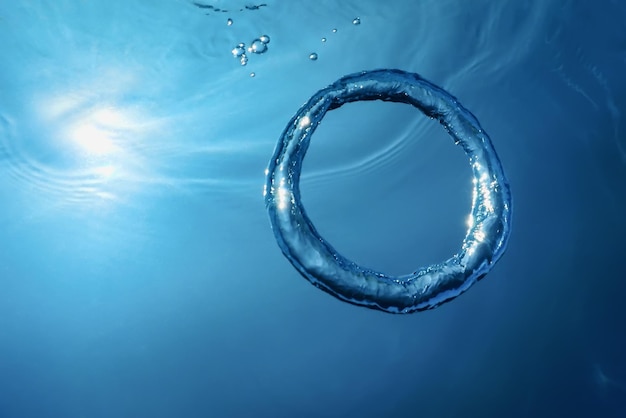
140 276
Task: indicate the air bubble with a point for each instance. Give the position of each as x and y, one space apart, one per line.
334 30
238 51
323 39
356 21
258 46
229 22
252 74
313 56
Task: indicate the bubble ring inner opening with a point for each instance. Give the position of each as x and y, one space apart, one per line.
316 260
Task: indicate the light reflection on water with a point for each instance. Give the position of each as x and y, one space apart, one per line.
76 147
102 111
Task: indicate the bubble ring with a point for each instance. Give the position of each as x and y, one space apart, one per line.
428 287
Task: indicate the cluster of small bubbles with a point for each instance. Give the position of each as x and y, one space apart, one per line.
313 55
229 22
258 46
239 50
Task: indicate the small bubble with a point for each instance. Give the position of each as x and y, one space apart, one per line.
334 30
258 46
229 22
243 60
356 21
313 56
252 74
238 51
265 39
323 39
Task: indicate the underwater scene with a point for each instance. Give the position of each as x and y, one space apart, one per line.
312 208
